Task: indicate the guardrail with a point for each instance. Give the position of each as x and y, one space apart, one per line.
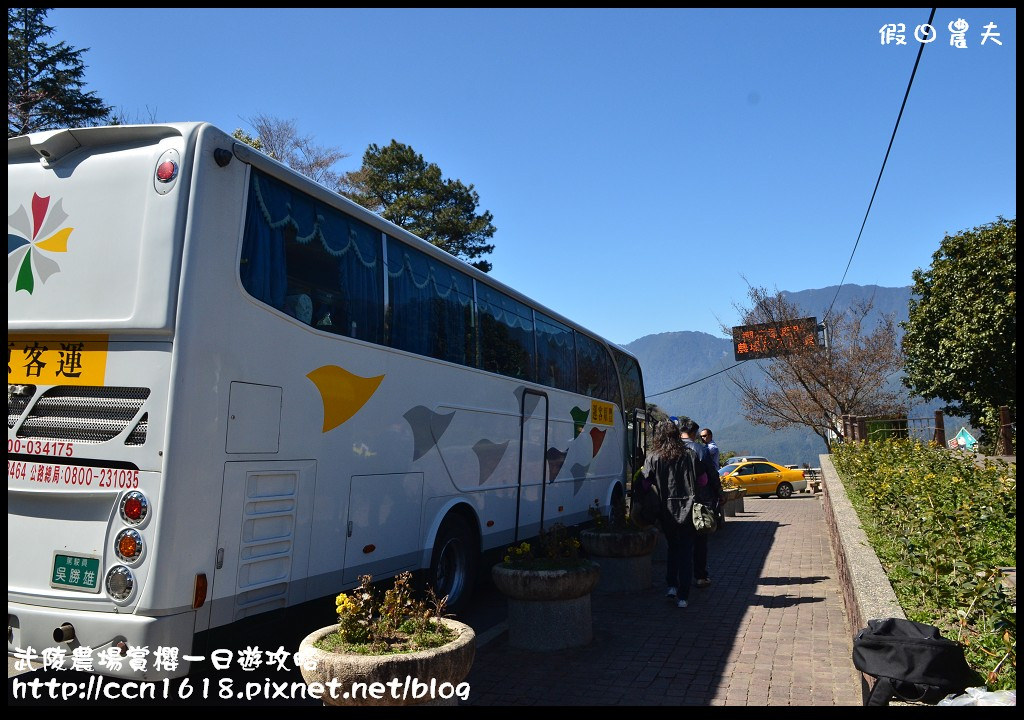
857 428
813 477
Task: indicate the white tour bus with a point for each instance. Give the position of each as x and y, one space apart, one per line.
231 390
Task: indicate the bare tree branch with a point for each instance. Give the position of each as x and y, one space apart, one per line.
280 140
814 386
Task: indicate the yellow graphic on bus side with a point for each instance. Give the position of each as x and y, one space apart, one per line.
602 413
56 359
342 392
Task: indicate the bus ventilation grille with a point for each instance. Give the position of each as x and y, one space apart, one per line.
85 414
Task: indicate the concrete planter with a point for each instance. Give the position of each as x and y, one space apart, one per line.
548 609
733 501
435 673
624 557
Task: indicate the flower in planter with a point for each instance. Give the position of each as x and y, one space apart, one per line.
554 549
370 623
619 521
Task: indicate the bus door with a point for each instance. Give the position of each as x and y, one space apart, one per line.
533 439
637 442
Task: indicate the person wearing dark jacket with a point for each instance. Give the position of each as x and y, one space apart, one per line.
671 466
709 492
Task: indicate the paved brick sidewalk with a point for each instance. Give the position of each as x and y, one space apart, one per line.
771 630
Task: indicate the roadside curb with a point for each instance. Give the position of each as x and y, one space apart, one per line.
867 592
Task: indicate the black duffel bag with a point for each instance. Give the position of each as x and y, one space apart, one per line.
910 661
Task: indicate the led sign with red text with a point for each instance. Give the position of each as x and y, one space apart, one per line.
753 342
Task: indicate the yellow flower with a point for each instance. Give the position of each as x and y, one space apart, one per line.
344 605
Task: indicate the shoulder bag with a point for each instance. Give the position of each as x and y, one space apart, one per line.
704 521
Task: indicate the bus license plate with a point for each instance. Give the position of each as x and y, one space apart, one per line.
76 572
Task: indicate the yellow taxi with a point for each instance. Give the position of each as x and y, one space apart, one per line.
760 477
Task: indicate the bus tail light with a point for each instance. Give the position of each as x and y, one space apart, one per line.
120 583
165 173
128 545
199 596
134 507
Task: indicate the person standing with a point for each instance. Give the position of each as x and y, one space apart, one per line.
671 465
709 492
708 438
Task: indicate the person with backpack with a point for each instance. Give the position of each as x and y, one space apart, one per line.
671 467
708 491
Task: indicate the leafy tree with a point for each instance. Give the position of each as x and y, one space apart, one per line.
243 136
397 183
280 139
815 386
961 333
44 81
656 412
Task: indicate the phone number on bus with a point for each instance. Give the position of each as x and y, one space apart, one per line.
40 447
73 476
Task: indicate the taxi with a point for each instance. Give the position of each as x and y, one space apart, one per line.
760 477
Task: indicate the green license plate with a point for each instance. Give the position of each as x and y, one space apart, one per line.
76 572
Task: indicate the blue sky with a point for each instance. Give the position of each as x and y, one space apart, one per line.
642 165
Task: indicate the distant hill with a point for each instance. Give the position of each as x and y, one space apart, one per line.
670 360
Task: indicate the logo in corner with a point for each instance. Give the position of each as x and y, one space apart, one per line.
31 240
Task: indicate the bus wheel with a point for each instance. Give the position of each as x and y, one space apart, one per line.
618 506
453 565
785 490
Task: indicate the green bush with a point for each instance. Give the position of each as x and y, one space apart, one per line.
942 526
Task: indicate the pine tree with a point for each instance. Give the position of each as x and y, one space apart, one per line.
44 81
396 182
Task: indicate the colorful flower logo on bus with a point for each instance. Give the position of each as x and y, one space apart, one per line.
31 241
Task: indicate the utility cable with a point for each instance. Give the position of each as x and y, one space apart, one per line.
874 192
694 382
906 95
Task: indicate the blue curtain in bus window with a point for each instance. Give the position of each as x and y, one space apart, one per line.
262 267
597 374
350 302
312 261
431 310
506 334
556 354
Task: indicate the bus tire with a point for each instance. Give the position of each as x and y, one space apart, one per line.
618 500
454 562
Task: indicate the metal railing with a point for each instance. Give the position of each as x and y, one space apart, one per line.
857 428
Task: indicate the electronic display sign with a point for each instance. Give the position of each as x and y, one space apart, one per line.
754 342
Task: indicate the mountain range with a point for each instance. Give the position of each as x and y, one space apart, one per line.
670 361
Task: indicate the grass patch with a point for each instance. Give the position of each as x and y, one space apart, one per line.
409 637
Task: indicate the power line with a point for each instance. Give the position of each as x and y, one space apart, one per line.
694 382
879 180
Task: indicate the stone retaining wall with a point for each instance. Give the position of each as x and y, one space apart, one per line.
866 590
